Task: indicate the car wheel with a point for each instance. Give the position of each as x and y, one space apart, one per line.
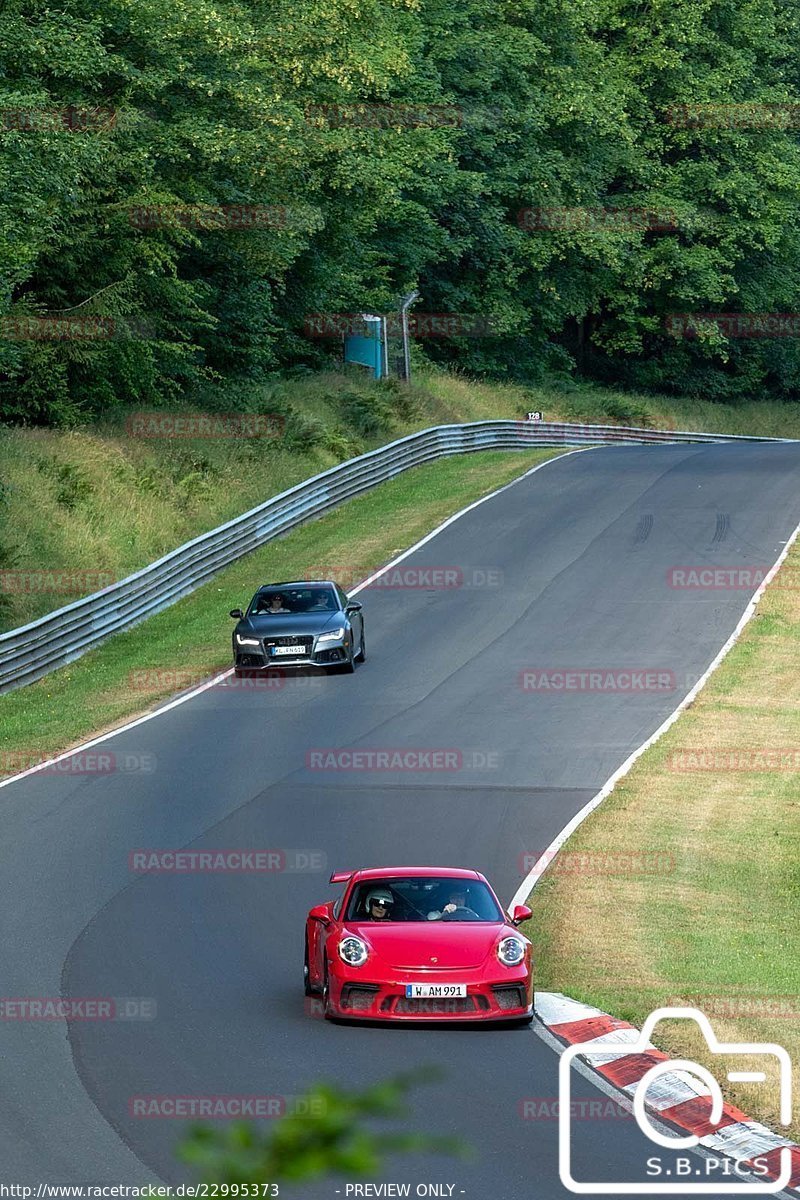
309 990
326 992
362 652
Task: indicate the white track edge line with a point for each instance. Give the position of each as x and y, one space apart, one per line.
204 687
533 877
535 874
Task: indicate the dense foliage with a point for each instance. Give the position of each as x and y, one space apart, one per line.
331 1133
390 145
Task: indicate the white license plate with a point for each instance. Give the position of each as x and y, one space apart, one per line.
276 650
435 991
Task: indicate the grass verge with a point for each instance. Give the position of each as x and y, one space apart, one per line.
80 508
705 911
135 669
95 503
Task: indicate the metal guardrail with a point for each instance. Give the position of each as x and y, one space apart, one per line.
58 638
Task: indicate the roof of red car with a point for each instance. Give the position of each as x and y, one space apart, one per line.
447 872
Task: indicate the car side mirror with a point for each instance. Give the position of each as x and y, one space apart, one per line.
321 914
353 606
521 913
237 612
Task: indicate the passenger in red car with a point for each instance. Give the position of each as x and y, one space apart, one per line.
379 905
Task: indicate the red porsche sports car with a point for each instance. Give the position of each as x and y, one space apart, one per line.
418 944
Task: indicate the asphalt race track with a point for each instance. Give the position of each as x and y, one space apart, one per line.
566 568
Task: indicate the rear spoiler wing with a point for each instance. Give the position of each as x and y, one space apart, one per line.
341 876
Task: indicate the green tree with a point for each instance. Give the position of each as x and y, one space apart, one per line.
220 103
330 1134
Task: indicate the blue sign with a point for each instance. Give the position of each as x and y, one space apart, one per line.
366 349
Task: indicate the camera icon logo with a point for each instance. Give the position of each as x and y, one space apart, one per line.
611 1047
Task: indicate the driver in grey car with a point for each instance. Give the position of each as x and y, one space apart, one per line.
275 604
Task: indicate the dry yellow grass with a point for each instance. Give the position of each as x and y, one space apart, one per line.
720 928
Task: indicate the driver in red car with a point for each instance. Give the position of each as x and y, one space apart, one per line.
457 898
379 905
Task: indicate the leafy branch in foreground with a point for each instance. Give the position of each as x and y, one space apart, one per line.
326 1135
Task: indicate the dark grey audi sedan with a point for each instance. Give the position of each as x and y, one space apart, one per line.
299 625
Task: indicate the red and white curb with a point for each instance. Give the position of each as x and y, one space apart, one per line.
676 1097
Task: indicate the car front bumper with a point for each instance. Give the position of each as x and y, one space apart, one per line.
329 654
491 996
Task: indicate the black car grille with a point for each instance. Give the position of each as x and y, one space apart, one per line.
510 996
358 997
331 656
453 1006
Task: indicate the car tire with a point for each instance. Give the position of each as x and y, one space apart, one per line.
326 992
309 989
362 650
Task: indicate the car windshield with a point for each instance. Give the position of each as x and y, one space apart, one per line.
418 898
294 600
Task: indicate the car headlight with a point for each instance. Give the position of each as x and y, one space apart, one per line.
332 635
511 951
240 641
353 951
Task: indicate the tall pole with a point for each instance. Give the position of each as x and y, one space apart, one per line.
406 304
384 348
